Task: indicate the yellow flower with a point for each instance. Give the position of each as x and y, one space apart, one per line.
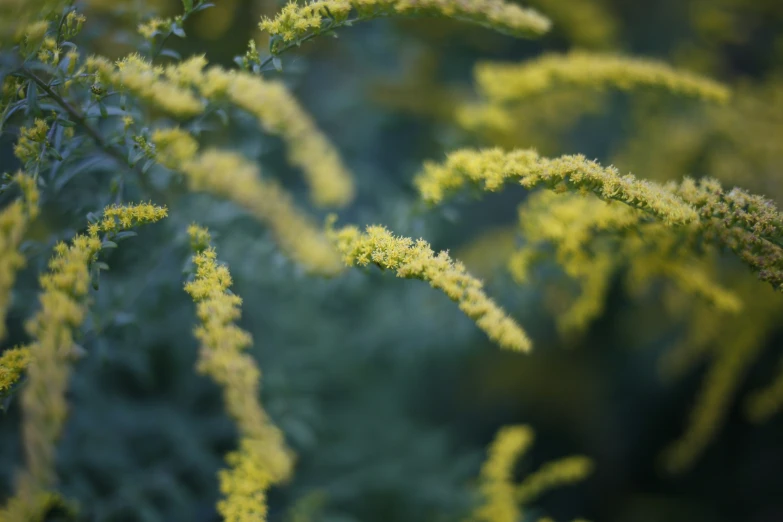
415 260
492 168
12 363
279 114
31 141
51 351
503 499
229 175
262 458
297 21
504 83
14 220
139 77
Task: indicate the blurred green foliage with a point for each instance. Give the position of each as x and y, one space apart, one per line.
385 391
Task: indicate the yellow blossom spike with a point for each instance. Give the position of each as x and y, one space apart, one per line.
415 260
12 363
568 470
31 141
496 482
14 220
750 225
502 498
229 175
278 113
139 77
493 168
592 239
503 83
296 22
262 458
51 351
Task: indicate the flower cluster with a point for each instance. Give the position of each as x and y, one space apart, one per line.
503 499
297 22
12 363
14 220
50 353
593 239
752 226
504 83
279 114
415 260
231 176
262 458
139 77
31 142
492 168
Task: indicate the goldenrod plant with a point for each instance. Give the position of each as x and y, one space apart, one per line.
324 171
262 458
504 498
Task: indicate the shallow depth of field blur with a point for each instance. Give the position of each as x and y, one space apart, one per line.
387 393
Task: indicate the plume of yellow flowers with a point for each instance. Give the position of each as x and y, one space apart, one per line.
14 220
262 458
503 499
139 77
751 225
52 349
297 22
31 141
568 470
278 113
503 83
496 482
592 239
415 260
492 168
229 175
12 363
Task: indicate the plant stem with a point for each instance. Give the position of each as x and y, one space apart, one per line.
112 150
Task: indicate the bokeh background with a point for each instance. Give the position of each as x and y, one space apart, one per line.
387 393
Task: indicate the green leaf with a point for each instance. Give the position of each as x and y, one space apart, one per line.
108 244
277 63
125 234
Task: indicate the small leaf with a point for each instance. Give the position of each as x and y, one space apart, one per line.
171 53
202 7
187 4
32 98
277 63
125 234
108 244
177 30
